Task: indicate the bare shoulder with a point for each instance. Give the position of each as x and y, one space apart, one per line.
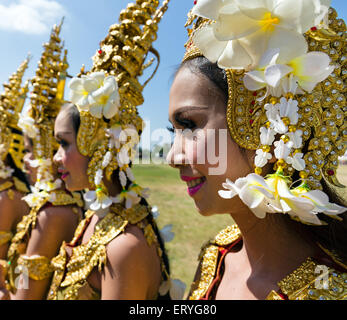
53 226
58 219
129 246
58 214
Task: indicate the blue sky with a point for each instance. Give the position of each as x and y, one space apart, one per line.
25 25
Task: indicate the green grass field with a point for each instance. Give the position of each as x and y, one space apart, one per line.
191 229
169 193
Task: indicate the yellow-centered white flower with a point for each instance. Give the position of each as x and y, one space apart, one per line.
282 71
27 124
243 30
96 93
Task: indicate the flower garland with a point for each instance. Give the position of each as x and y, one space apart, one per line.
45 183
266 39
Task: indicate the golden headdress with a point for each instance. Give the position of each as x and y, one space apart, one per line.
47 97
271 97
108 96
11 104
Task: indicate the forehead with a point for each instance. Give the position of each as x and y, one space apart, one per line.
191 89
63 122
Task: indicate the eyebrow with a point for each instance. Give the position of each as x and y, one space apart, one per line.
62 133
187 109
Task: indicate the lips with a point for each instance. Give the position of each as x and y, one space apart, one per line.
63 173
194 184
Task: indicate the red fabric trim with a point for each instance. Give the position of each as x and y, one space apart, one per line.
223 252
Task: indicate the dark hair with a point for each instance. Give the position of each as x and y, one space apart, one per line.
74 114
333 235
18 173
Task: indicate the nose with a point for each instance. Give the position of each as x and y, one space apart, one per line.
176 156
57 157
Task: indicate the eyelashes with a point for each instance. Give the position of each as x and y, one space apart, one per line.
62 143
170 129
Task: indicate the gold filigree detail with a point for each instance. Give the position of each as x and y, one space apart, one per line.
313 281
11 104
70 275
228 235
209 259
36 267
6 185
20 185
5 236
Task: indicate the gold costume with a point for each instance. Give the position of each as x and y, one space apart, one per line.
38 124
117 65
318 278
70 279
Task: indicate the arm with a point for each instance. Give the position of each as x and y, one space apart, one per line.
54 225
132 271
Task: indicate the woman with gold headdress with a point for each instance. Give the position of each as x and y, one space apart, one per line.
117 251
263 82
13 183
54 213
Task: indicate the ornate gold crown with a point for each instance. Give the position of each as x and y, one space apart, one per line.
47 97
321 112
122 55
11 104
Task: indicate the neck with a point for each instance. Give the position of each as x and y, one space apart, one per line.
273 244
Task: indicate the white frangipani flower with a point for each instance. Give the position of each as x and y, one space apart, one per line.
282 149
297 162
267 136
166 233
243 30
122 178
97 200
296 138
107 159
155 212
289 109
98 177
175 287
273 195
281 72
130 197
130 174
114 134
262 158
123 157
253 191
96 93
27 124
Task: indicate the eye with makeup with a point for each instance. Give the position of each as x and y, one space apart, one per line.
182 122
62 142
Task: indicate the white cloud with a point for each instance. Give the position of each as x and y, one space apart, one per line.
30 16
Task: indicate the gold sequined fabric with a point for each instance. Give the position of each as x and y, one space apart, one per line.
312 280
209 259
28 223
70 277
36 267
5 237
